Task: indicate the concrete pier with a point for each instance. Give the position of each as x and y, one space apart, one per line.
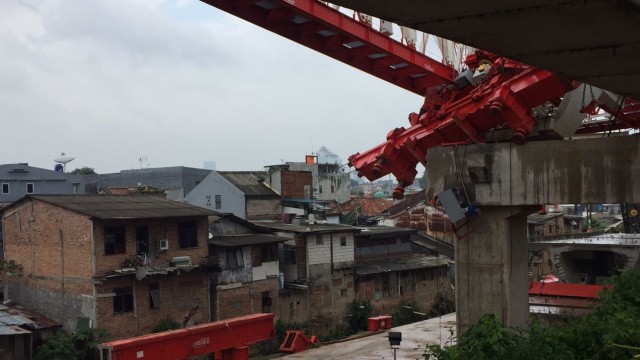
507 182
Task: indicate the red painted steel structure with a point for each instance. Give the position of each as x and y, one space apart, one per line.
452 114
559 289
326 30
227 339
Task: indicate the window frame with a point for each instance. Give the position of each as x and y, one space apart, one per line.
343 241
123 300
155 302
8 192
33 188
218 202
119 240
188 235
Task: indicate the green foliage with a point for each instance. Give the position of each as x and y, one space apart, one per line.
405 313
361 313
166 324
340 331
444 304
86 343
10 267
610 332
83 171
59 347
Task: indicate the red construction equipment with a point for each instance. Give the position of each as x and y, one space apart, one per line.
227 339
494 93
295 341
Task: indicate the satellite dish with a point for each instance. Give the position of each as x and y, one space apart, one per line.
63 159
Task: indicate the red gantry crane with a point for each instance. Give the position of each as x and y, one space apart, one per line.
493 93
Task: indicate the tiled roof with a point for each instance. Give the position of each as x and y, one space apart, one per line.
366 206
123 207
251 183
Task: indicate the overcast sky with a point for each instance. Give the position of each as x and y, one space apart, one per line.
178 82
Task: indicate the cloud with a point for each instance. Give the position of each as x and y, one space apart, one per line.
179 82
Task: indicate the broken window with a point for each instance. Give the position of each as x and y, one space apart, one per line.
5 188
114 240
30 188
234 258
218 201
123 300
188 234
266 302
154 296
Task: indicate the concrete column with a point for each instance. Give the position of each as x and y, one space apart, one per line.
491 267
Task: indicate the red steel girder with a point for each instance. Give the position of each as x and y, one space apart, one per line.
213 337
317 26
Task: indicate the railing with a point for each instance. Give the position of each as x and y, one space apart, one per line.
590 238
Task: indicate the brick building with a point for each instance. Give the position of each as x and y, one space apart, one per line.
391 272
318 262
245 275
119 263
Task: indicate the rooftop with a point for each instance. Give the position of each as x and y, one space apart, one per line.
121 207
375 232
406 262
311 228
246 239
251 183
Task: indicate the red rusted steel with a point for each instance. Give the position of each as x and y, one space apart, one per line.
565 290
317 26
227 337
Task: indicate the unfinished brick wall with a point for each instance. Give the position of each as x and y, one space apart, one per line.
158 229
264 209
245 299
293 184
294 306
54 247
178 294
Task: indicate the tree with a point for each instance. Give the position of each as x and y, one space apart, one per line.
85 170
610 332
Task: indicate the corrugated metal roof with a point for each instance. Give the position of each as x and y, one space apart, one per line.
313 228
376 232
251 183
123 207
247 239
407 262
564 289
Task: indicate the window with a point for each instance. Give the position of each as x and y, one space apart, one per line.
343 241
319 240
266 302
333 189
188 235
154 296
234 258
123 300
235 304
320 189
142 239
5 188
267 253
30 188
114 240
289 255
344 293
218 201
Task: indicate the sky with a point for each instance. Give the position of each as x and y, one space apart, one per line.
175 83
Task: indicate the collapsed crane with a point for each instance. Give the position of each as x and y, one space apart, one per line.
494 99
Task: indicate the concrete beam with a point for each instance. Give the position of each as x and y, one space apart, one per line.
596 170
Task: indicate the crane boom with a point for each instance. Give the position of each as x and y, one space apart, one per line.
328 31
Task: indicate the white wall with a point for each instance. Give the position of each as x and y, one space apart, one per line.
204 195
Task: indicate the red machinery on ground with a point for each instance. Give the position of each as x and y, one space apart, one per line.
227 339
494 93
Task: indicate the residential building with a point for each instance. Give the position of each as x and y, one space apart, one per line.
18 180
258 200
21 329
317 262
389 273
245 275
120 263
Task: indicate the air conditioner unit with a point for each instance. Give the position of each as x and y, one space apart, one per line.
163 244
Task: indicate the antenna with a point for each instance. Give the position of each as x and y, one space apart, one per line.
143 159
63 159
